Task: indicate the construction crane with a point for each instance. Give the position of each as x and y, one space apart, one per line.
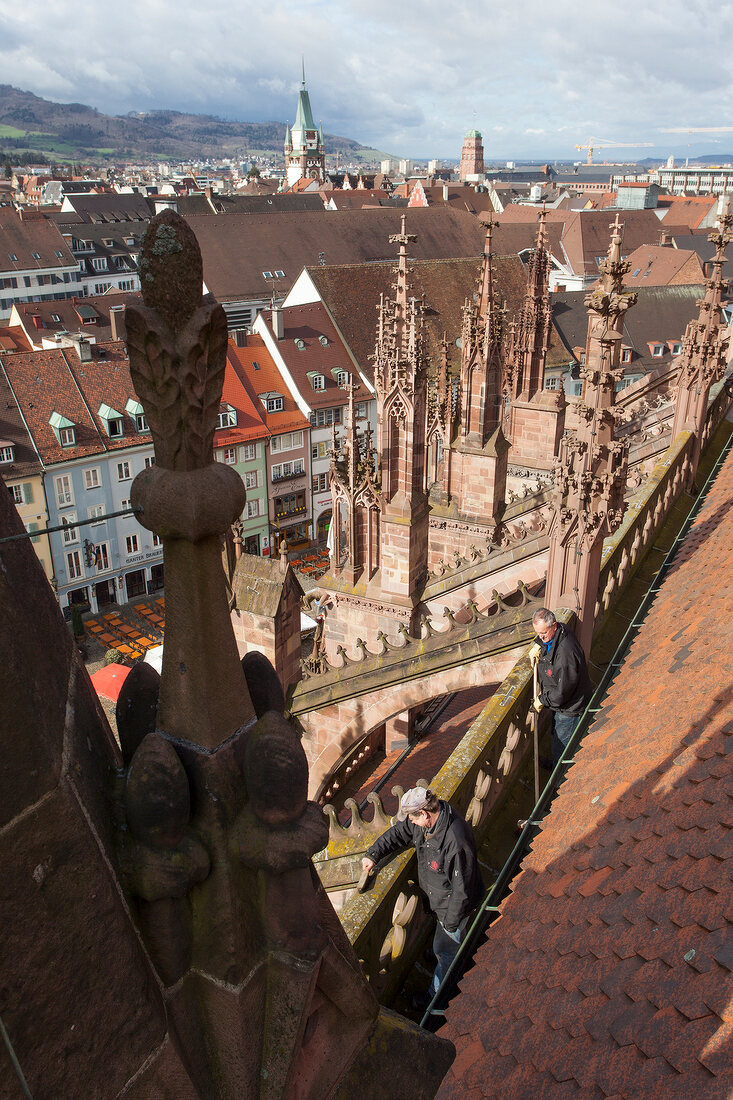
592 146
695 130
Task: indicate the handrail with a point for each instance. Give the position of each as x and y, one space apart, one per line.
436 1008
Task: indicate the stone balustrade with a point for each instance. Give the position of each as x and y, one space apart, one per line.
386 924
645 514
649 507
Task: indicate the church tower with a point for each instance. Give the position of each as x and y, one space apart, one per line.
304 153
471 168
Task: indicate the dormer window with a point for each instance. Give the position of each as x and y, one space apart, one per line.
300 344
134 409
56 318
676 349
112 421
657 351
341 377
6 453
317 381
63 429
227 417
626 355
323 341
273 402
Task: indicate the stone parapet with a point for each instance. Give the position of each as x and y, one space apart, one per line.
386 925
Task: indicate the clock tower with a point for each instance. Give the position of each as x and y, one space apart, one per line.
304 153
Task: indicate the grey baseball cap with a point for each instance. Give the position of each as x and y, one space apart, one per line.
412 802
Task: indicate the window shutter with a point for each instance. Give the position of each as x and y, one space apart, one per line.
33 527
28 492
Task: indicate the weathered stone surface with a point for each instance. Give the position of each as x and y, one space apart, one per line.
78 997
34 706
400 1060
263 684
137 707
165 1078
171 270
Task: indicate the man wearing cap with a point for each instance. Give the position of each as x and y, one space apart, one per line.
447 869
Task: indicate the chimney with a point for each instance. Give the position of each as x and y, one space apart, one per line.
284 556
117 322
83 348
445 192
665 240
278 322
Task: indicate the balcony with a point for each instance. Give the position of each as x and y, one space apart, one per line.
288 477
299 511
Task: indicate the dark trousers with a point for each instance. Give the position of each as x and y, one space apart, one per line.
563 728
445 949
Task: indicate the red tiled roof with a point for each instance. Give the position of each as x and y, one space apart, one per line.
266 379
307 324
45 382
250 413
608 973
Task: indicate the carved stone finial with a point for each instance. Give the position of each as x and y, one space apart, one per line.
171 269
177 345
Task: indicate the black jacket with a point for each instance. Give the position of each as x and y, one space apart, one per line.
446 863
562 674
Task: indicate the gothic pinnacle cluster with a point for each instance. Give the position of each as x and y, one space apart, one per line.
590 475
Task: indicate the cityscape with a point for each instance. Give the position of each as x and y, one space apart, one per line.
312 447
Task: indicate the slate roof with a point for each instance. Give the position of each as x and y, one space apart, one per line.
128 207
238 248
45 382
351 293
608 972
661 314
22 236
262 204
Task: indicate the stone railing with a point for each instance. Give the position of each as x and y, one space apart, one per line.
523 520
649 507
355 758
645 514
386 924
503 612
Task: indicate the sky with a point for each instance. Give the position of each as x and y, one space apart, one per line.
409 79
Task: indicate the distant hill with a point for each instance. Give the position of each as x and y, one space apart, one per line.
75 132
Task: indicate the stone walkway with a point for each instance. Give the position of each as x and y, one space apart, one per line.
429 753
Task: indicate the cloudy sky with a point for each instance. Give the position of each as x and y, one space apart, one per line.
410 79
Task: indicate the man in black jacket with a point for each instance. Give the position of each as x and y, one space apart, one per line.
447 870
562 675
